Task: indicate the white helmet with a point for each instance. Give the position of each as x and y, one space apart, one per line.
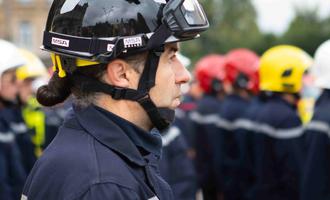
33 67
10 56
321 67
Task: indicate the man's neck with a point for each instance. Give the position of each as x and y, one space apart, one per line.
128 110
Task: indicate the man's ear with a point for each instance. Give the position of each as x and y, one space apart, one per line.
120 73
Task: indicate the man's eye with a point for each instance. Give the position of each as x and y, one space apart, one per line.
173 57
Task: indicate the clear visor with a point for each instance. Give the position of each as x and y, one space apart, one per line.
193 13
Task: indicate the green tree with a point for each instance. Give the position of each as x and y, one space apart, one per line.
307 30
232 25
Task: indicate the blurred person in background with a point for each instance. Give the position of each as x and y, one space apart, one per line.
244 130
122 69
209 73
279 145
241 84
33 70
12 168
316 177
176 165
309 94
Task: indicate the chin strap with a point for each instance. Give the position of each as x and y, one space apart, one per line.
160 117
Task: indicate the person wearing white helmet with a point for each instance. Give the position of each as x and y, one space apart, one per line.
12 173
316 176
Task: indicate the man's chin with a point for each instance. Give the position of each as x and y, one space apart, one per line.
176 102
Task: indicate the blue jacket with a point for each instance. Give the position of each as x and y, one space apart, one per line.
203 122
175 166
13 117
226 145
98 155
279 151
244 134
316 178
12 172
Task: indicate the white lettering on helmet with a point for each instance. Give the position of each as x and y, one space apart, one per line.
133 42
60 42
110 47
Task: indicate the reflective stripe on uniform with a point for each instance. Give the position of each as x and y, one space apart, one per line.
179 113
280 133
318 126
245 124
6 137
171 134
204 119
249 125
18 128
225 124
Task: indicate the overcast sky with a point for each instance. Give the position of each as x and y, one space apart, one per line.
275 15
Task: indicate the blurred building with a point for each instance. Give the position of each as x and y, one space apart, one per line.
23 22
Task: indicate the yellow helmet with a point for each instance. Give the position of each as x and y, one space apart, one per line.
33 67
282 68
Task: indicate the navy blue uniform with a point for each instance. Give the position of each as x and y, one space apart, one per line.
279 151
14 118
12 172
316 178
175 166
98 155
54 118
226 145
203 121
244 134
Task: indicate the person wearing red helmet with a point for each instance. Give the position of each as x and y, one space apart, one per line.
209 73
240 83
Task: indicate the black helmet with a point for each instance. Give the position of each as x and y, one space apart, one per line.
102 30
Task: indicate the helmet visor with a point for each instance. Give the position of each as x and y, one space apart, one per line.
193 13
185 18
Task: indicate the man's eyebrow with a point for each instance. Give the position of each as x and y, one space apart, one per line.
173 49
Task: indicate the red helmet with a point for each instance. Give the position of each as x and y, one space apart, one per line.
241 68
208 69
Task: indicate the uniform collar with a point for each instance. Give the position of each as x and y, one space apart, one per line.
149 142
324 97
279 99
108 131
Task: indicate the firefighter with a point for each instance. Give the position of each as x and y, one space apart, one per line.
12 171
209 74
32 112
240 83
279 145
316 177
118 59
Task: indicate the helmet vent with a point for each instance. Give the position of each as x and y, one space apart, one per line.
287 73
